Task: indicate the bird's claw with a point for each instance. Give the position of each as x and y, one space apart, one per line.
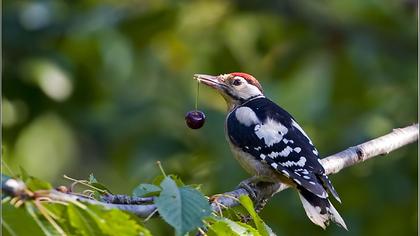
249 186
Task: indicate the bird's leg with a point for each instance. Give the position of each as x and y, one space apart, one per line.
249 185
260 190
265 194
255 186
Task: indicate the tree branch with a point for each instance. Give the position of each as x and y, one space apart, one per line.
144 207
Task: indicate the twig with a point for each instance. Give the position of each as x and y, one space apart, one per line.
125 199
144 207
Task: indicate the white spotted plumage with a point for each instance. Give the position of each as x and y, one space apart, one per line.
270 131
270 144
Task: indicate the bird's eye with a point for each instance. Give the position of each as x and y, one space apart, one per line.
237 82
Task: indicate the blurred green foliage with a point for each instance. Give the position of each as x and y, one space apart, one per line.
103 86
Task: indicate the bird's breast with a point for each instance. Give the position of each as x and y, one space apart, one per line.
252 165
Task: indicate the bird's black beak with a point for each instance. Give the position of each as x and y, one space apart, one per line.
216 82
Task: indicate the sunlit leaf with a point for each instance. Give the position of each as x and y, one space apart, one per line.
46 226
224 226
36 184
60 216
82 221
13 218
249 206
115 222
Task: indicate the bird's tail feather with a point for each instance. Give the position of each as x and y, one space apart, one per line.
328 185
320 210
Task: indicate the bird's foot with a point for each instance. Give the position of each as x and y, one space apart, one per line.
249 186
268 190
261 204
260 198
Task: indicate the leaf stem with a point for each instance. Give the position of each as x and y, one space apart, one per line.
84 182
161 168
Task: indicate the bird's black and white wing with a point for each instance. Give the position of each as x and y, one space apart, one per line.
267 132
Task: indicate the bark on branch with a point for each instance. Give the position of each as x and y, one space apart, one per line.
144 207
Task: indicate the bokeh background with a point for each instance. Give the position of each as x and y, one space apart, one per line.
102 87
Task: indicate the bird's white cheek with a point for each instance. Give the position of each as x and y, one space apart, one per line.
248 91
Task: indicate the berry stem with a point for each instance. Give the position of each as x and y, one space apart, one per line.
198 93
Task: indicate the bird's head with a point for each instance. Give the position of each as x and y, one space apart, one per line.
236 88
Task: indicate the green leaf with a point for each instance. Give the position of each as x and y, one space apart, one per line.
269 230
83 223
224 226
14 218
259 223
46 227
60 212
146 189
92 179
98 185
23 174
183 208
158 180
116 222
36 184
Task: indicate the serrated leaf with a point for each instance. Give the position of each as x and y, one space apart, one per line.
158 180
13 218
36 184
45 226
116 222
183 208
228 227
83 223
146 189
61 217
249 206
195 186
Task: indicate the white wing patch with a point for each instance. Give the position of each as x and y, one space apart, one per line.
246 116
300 163
271 131
283 153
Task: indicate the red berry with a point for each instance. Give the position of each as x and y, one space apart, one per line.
195 119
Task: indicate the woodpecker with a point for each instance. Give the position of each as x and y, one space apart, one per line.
270 145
